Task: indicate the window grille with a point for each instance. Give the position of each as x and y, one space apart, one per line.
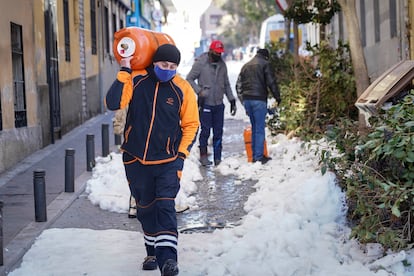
20 114
106 22
66 29
93 27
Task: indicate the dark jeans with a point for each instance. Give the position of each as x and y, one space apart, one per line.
212 117
257 113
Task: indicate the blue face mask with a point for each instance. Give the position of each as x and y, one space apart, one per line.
164 75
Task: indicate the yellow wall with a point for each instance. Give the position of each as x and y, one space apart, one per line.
39 41
92 61
18 143
19 12
68 70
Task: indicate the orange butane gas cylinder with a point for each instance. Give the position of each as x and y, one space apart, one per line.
247 134
139 43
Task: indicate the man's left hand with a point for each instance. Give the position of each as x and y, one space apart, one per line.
233 107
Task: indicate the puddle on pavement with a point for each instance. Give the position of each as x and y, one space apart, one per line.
220 203
220 198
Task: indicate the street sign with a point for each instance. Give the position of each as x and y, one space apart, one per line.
282 5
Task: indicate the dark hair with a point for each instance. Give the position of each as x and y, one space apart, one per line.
264 52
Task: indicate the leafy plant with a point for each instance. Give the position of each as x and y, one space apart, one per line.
321 11
321 92
377 172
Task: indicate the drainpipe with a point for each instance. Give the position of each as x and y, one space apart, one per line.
100 53
82 62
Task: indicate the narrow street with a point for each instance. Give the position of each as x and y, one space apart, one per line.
220 198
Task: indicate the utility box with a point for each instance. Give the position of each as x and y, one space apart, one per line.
391 86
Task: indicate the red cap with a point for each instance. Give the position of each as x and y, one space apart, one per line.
217 46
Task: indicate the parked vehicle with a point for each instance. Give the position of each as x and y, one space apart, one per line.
272 29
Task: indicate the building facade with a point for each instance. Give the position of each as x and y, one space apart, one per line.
20 128
209 24
386 32
57 64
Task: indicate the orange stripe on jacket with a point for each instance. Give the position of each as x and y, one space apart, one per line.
126 78
190 120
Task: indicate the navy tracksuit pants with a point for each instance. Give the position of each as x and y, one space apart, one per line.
155 188
212 117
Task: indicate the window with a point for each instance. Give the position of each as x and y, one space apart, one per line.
93 27
377 22
393 18
107 47
215 19
20 116
363 23
114 22
66 27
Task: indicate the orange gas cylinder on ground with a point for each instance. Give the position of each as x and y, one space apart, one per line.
139 43
247 134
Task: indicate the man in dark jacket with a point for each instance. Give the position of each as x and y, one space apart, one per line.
208 76
160 129
253 82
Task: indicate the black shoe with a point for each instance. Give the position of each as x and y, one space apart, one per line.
263 160
217 162
150 263
169 268
204 161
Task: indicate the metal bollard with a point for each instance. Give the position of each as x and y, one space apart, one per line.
1 233
105 140
90 152
39 192
70 170
118 139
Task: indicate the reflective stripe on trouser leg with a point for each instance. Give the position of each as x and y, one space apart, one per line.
161 240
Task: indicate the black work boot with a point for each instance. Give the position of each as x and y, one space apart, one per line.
150 263
204 158
169 268
204 161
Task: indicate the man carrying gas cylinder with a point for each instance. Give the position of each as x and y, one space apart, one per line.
161 126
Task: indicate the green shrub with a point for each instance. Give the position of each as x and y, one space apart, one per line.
315 92
377 172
